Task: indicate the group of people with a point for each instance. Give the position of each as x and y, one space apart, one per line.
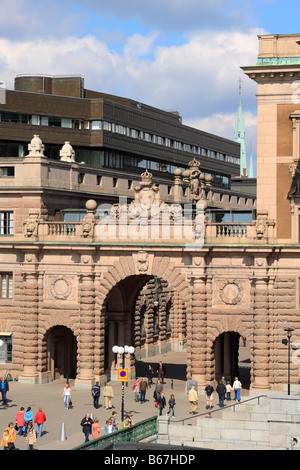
223 390
91 427
23 426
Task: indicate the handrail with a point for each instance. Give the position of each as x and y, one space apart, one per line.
137 432
209 412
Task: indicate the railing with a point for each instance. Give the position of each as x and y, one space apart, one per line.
138 432
232 230
62 228
210 412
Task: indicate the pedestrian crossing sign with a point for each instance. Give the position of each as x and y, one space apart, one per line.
123 375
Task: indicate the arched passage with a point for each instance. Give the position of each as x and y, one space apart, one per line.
61 347
139 311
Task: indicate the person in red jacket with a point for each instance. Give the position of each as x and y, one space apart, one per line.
40 418
20 422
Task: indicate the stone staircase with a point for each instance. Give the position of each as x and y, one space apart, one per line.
265 424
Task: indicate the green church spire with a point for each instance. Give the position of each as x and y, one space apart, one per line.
239 134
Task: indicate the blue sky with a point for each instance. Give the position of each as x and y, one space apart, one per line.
182 55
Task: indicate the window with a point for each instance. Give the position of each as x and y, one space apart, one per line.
5 348
96 125
6 285
7 171
6 223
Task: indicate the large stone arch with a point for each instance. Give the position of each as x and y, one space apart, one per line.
145 266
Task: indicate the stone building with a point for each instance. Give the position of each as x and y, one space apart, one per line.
155 272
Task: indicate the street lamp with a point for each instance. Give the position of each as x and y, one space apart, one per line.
288 342
122 350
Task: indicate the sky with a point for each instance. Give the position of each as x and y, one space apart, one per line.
183 55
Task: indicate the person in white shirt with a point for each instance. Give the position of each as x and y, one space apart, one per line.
237 388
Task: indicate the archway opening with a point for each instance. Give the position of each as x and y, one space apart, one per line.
232 358
140 312
61 353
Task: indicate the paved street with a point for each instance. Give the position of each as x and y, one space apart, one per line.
49 397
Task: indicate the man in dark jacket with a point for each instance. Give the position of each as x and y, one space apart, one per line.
86 424
96 394
143 388
221 390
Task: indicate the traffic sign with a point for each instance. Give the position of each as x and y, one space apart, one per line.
123 375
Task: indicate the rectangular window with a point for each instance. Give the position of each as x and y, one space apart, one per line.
96 125
6 223
5 348
6 285
7 171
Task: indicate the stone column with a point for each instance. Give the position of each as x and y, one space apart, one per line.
261 350
197 332
87 330
30 329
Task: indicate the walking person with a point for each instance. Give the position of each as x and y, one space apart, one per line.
4 387
5 440
221 390
12 436
66 396
161 403
136 389
193 399
39 419
158 389
96 429
86 424
171 404
20 421
31 436
161 371
228 391
150 375
114 420
237 389
108 393
143 389
28 417
209 396
96 394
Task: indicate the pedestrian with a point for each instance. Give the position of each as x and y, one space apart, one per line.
158 389
96 428
108 428
244 341
221 390
4 387
161 403
96 394
28 418
108 393
171 404
114 420
5 439
126 423
67 396
39 419
12 436
228 391
161 371
193 399
143 389
86 424
237 389
209 396
136 389
20 422
31 436
150 375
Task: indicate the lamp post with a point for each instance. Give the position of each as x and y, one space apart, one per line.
122 350
288 342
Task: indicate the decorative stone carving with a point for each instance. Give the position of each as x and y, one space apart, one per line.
61 287
32 223
261 225
197 181
146 193
67 153
36 147
231 292
142 261
89 221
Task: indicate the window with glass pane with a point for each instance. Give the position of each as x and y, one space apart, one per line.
6 285
6 223
5 348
